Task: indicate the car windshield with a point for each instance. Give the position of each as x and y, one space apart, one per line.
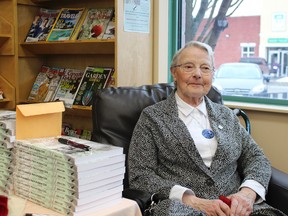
241 72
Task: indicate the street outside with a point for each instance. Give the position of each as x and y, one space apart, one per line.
277 90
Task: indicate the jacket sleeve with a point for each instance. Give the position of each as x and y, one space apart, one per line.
142 158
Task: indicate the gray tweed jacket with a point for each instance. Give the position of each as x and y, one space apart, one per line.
162 154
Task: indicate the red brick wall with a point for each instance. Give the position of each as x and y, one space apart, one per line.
239 30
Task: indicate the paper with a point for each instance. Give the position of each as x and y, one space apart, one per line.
137 16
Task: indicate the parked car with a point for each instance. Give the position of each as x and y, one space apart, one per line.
245 79
259 61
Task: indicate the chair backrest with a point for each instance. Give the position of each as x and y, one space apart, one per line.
115 111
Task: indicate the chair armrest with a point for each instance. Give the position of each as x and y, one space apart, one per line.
278 190
142 198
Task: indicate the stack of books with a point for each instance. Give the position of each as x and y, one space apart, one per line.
7 138
69 175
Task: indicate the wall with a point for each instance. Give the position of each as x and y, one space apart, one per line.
269 129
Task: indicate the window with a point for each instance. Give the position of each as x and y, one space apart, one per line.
248 49
245 33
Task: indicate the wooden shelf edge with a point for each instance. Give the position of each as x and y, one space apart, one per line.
71 47
3 38
79 107
4 100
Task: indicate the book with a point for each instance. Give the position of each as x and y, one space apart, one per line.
41 25
65 24
94 78
68 86
110 30
7 138
52 148
45 84
95 23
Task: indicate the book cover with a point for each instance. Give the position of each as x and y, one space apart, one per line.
68 86
45 84
95 23
94 78
41 25
110 30
52 148
65 24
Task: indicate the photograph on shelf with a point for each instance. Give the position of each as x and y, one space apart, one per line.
41 25
95 23
94 78
65 24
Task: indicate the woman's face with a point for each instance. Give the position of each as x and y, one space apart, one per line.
193 85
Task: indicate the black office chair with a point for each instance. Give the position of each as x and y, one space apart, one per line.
115 112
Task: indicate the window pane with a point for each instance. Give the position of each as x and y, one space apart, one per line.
249 32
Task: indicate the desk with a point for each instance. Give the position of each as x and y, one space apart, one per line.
19 206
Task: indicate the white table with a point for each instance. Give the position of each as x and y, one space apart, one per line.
18 207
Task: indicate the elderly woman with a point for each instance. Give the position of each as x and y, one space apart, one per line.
190 150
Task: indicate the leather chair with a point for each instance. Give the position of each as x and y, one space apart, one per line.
115 112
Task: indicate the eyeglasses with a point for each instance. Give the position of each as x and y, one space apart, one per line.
190 68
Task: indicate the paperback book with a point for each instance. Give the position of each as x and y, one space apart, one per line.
68 86
94 78
95 23
65 24
110 30
52 148
45 84
41 25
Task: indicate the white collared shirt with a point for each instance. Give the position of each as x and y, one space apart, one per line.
196 120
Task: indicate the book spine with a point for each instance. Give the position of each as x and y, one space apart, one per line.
50 194
37 179
44 201
47 173
6 144
45 186
34 160
41 152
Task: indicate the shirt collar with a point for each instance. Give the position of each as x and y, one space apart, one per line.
187 109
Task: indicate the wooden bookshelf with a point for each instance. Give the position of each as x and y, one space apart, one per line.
129 53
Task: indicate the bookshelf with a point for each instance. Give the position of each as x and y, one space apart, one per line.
7 56
129 53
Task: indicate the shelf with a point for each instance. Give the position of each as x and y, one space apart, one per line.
71 47
3 38
4 100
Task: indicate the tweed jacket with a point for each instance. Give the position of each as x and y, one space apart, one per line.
162 154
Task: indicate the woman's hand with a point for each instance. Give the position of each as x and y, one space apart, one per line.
210 207
242 202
